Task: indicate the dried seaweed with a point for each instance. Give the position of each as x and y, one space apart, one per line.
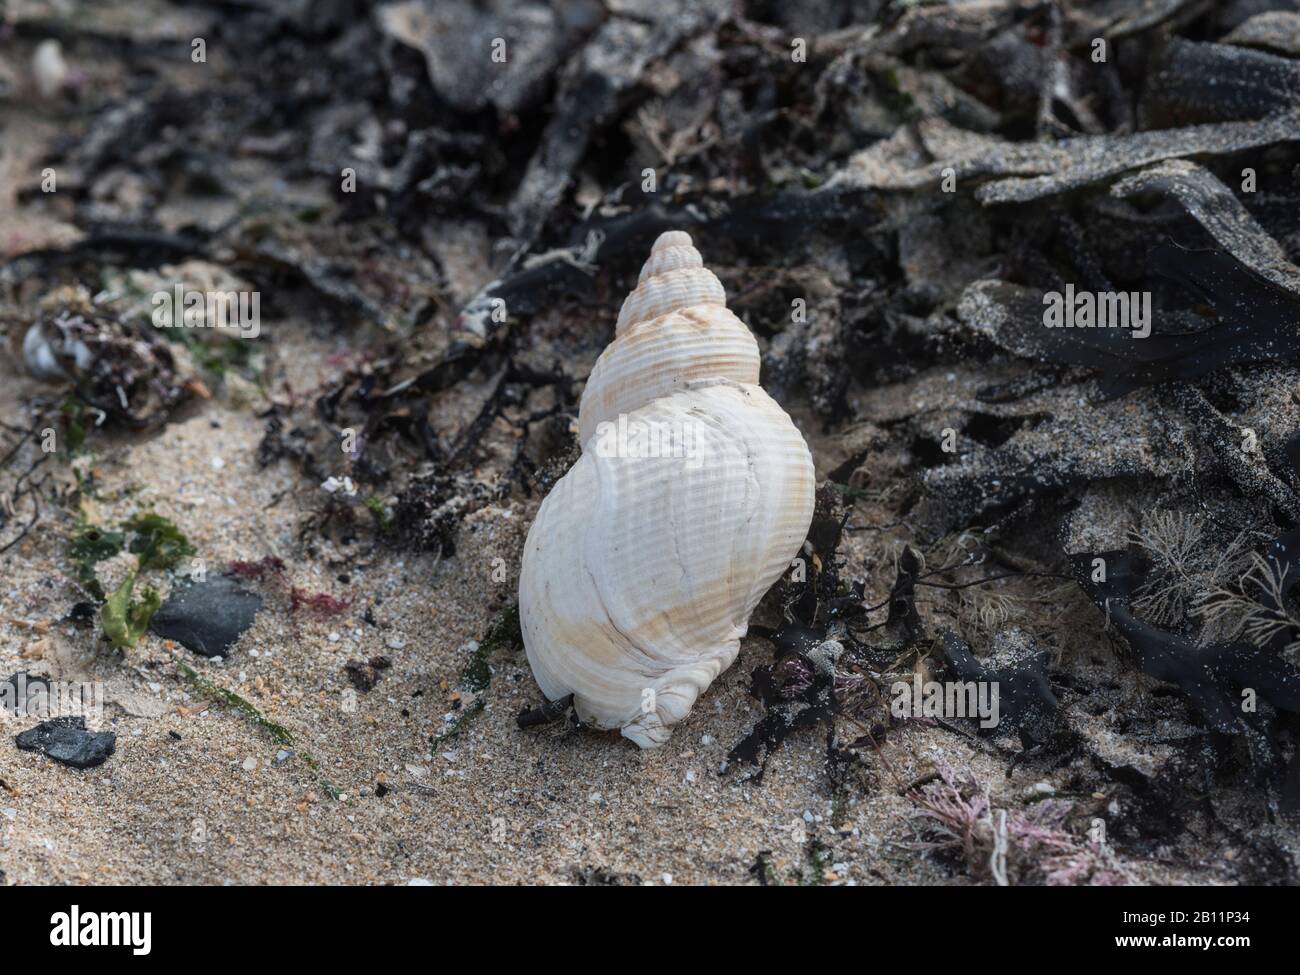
1090 160
1276 30
796 696
1078 444
1256 322
811 681
919 161
1219 82
453 35
610 64
1025 697
1215 208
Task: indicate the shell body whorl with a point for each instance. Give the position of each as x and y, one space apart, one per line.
693 493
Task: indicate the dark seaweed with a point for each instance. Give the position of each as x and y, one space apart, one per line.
1024 695
1199 82
1212 676
1258 321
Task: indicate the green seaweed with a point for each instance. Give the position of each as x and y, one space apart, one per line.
503 634
158 542
219 694
124 619
819 857
218 355
89 546
477 674
383 517
75 425
460 724
848 491
896 99
278 732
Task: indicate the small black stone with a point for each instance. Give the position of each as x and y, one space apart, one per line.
66 740
362 675
207 617
82 613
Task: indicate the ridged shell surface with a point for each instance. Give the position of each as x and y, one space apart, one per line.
693 494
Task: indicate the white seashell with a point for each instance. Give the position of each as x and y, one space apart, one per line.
693 493
55 353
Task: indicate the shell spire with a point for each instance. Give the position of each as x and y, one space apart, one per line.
673 329
693 493
673 277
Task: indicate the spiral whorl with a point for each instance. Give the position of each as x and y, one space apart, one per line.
675 328
674 277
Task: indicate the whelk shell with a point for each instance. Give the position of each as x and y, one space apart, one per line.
693 493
